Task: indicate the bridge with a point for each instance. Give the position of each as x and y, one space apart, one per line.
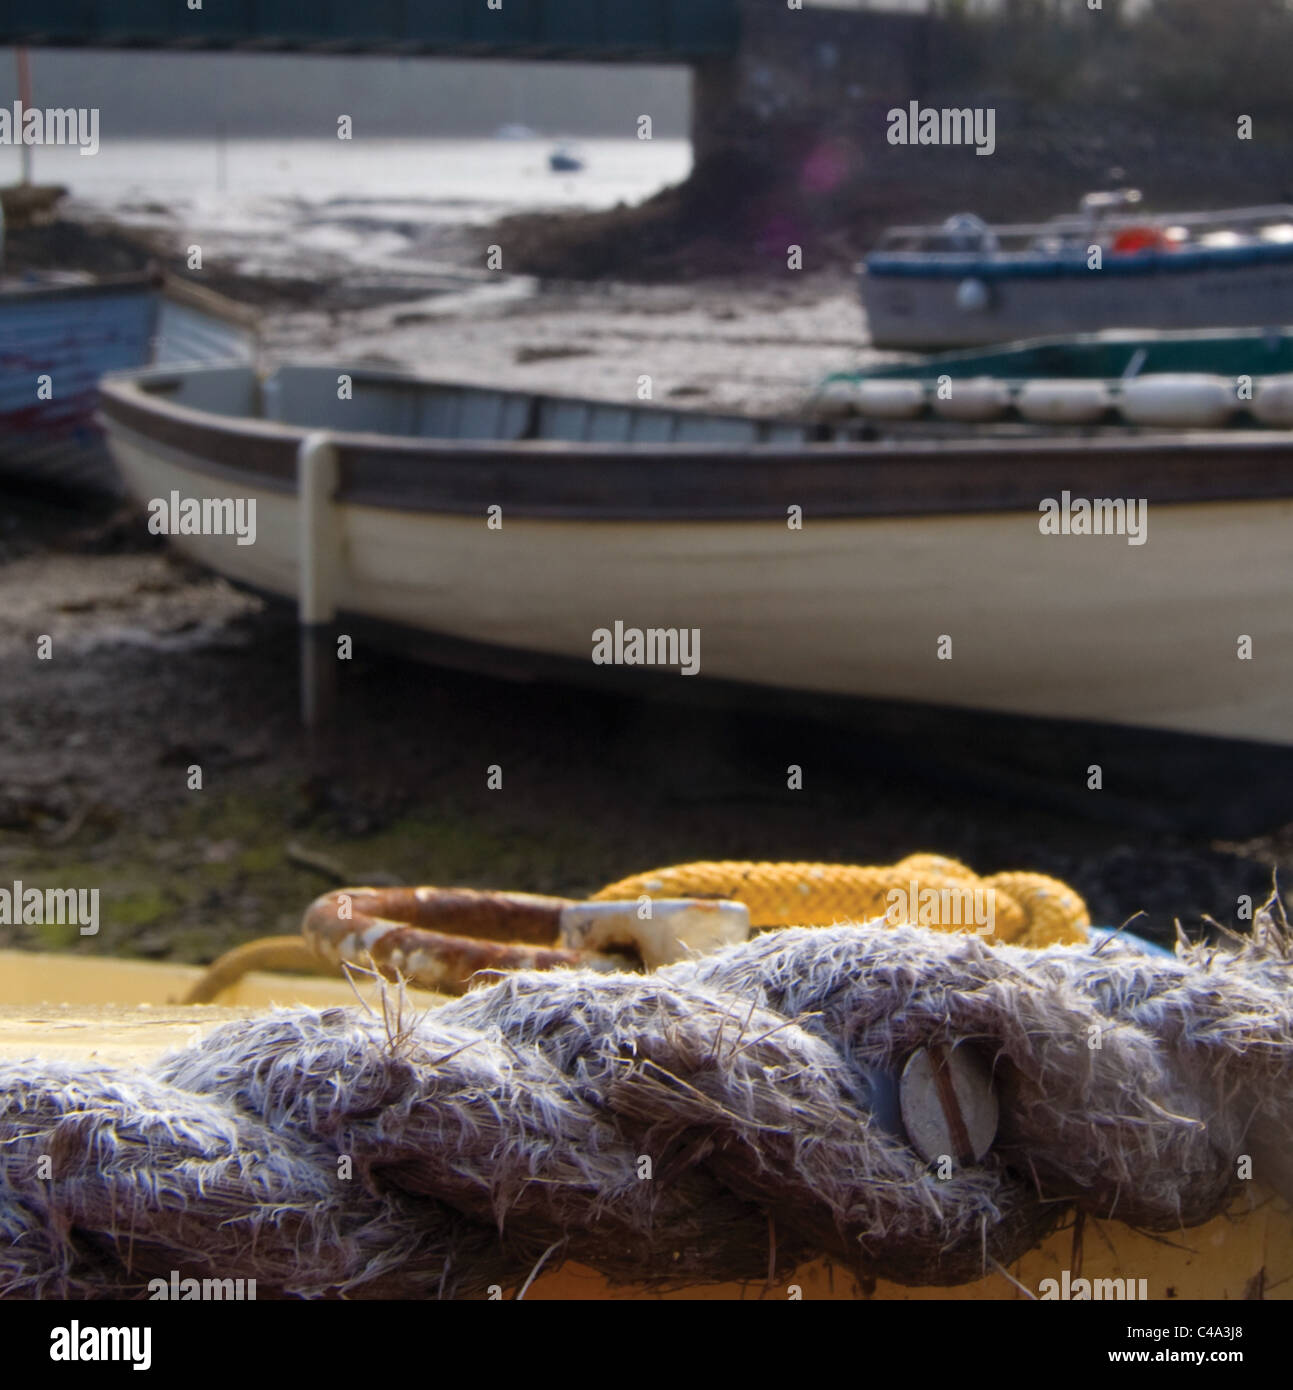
758 66
598 31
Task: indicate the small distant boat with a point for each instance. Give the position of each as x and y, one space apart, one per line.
515 130
622 517
1231 378
964 283
60 332
565 159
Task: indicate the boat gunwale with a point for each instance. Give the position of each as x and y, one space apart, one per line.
1122 215
189 294
694 481
146 282
1032 264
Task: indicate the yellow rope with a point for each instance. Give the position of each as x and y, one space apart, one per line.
283 953
1025 909
924 889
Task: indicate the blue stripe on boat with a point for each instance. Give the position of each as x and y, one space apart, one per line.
72 340
933 265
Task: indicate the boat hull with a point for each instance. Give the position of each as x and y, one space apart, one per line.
55 344
73 335
911 308
975 609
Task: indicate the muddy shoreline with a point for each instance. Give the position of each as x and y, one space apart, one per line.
158 668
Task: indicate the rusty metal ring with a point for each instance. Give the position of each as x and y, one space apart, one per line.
405 932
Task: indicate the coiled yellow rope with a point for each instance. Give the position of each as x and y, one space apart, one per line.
929 890
925 890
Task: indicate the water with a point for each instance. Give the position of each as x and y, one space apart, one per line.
278 206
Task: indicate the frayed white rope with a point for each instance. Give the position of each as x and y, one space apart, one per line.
655 1128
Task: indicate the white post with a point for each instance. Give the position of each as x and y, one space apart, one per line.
319 544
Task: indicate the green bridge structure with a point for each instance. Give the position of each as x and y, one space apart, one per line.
759 67
601 31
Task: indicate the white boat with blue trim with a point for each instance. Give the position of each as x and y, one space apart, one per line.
1111 265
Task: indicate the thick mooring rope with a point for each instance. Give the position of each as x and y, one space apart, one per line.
704 1123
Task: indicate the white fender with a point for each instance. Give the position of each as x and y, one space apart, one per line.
890 400
1273 400
1064 402
974 400
1185 400
972 296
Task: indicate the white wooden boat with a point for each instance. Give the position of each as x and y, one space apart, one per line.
660 519
965 283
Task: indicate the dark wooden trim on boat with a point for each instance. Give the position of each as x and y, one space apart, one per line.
241 450
854 480
677 482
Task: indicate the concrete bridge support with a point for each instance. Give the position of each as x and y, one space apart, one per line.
798 76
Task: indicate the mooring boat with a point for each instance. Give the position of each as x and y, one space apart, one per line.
795 558
964 283
60 332
1238 378
565 159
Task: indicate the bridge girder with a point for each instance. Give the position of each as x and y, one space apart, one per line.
659 31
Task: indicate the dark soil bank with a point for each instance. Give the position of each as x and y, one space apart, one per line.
834 191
